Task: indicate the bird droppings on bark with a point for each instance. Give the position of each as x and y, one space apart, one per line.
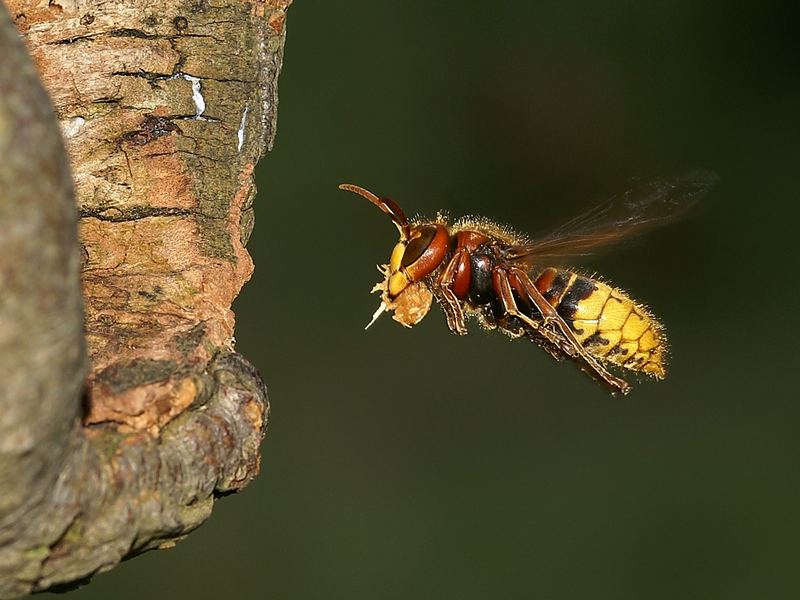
72 127
240 132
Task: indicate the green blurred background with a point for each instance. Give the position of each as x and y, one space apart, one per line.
416 464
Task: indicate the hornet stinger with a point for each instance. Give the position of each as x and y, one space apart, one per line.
476 268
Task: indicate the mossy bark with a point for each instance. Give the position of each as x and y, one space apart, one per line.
120 424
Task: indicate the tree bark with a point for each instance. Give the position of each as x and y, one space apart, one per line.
124 411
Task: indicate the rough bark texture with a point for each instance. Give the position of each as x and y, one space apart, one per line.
41 351
165 108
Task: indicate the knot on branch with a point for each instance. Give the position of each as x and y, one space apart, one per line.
121 494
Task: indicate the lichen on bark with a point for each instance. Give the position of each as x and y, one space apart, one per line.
165 108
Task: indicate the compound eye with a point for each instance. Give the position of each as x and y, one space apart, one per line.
418 245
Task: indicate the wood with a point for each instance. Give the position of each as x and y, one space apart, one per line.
165 108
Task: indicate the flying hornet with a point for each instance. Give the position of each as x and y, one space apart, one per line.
479 269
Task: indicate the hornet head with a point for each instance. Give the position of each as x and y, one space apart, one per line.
420 251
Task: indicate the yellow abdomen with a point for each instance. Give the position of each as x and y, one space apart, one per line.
610 325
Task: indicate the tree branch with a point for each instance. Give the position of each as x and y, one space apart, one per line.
42 360
165 111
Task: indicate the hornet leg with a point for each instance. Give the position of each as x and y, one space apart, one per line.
567 340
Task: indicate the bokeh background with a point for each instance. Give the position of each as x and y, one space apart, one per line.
416 464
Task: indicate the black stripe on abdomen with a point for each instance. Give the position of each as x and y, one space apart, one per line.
580 289
556 290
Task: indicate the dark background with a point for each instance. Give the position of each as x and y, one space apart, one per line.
416 464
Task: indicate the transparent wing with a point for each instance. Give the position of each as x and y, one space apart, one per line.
638 210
